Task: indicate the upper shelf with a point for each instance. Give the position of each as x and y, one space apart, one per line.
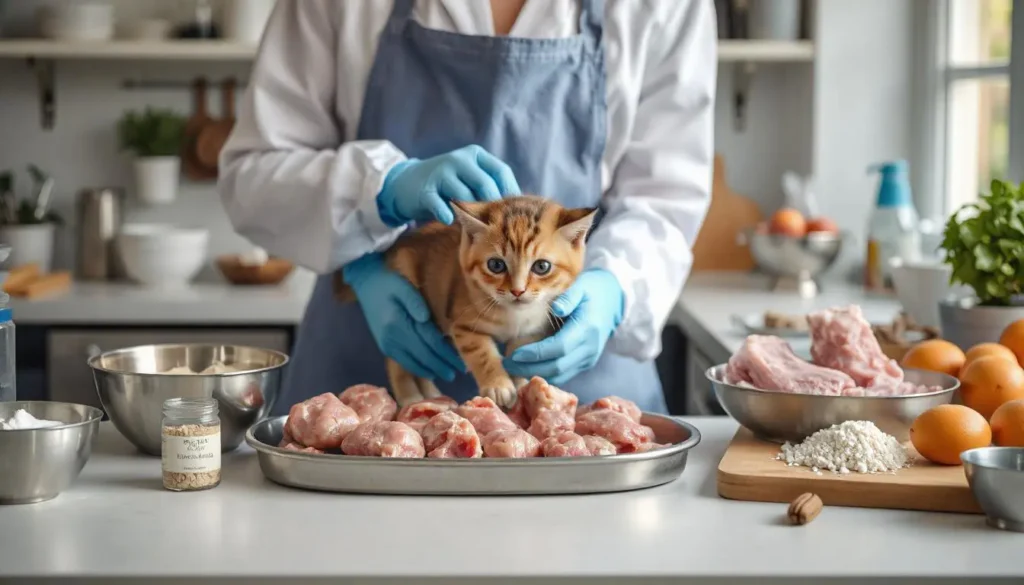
188 50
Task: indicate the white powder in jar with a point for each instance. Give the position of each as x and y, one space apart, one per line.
851 446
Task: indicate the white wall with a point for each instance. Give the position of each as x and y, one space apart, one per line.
864 110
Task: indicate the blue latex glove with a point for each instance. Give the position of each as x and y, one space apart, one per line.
419 190
400 320
592 309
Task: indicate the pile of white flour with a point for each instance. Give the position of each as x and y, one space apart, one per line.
851 446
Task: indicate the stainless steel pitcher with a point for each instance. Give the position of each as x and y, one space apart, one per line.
99 215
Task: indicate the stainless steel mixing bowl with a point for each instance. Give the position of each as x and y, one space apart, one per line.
38 464
132 387
784 416
802 258
996 476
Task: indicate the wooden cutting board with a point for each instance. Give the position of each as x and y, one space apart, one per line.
717 246
749 471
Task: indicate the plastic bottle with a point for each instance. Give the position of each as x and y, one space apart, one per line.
7 363
893 228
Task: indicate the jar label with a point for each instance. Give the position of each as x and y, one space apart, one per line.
196 454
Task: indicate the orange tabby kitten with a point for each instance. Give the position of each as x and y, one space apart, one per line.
515 256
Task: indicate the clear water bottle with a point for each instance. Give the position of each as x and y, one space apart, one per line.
7 372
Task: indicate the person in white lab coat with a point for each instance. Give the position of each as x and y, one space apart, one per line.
364 117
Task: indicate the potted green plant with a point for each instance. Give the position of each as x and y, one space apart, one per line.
28 225
983 244
155 137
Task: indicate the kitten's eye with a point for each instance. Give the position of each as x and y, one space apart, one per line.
496 265
541 267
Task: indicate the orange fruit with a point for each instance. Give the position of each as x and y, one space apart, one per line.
983 349
942 433
935 355
822 225
1008 424
1013 338
988 382
788 222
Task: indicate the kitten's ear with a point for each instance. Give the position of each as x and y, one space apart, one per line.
466 215
574 224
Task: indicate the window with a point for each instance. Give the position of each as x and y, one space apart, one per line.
979 106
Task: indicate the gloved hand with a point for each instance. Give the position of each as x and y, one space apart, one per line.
419 190
400 320
592 308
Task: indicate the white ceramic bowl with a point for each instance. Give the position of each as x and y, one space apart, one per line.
920 286
162 255
77 21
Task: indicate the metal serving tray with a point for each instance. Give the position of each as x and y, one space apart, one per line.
491 477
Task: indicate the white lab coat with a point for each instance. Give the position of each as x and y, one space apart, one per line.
295 180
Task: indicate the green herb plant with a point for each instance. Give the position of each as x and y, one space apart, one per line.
15 212
984 245
153 132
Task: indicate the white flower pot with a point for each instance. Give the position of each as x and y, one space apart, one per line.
156 178
30 244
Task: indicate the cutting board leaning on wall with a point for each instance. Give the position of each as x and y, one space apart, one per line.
717 246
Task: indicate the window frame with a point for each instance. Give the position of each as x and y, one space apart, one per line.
935 82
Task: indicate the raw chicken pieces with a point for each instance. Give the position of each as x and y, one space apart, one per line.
515 443
371 403
842 339
768 362
321 422
484 415
600 446
626 407
417 414
567 444
384 439
300 448
548 423
449 436
538 395
627 436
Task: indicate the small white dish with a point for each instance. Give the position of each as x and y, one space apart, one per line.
161 255
753 324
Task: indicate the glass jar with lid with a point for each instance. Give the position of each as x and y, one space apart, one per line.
190 444
7 364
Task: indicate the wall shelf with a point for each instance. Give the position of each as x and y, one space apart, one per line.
188 50
185 50
765 51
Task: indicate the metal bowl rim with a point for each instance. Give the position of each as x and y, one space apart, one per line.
815 236
692 441
93 361
967 459
95 415
709 374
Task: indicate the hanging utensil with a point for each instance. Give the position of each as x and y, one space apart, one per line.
44 191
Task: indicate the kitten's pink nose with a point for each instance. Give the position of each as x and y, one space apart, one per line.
517 293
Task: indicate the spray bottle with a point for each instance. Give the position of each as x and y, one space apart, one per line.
893 228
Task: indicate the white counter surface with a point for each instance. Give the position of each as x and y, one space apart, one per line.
710 299
117 521
122 303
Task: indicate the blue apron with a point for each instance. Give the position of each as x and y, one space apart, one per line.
537 104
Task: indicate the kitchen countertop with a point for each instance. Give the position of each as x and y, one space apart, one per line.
123 303
117 521
710 299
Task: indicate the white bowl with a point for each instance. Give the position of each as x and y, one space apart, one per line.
77 21
920 286
162 255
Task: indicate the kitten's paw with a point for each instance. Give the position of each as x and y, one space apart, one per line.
428 389
520 382
504 396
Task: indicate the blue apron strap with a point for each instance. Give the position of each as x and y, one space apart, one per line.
400 14
592 22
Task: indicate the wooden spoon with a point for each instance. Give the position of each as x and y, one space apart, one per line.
194 169
213 136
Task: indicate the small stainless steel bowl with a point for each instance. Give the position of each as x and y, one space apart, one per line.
996 477
785 416
785 256
38 464
132 388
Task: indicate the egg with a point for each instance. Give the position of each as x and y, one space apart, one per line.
822 225
788 222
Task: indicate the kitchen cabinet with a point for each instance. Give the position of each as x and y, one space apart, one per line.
69 378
